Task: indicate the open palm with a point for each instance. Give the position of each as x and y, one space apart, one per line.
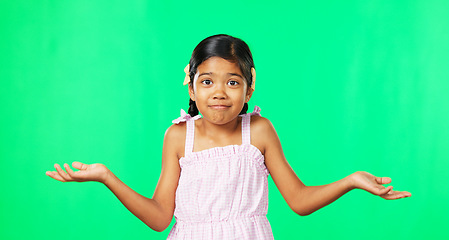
374 185
87 172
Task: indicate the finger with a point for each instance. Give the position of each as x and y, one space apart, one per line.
383 180
389 196
62 173
70 172
79 166
76 176
392 195
385 190
55 176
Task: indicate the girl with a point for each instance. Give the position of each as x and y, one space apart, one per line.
215 167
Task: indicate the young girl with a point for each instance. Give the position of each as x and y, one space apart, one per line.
215 167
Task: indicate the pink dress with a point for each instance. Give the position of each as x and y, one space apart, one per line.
223 191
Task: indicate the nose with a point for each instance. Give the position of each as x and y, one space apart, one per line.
219 93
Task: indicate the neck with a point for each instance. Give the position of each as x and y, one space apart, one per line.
216 130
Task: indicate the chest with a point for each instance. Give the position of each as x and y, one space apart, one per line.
206 142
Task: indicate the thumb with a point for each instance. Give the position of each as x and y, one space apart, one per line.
79 166
383 180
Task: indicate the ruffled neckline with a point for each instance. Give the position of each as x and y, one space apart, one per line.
215 154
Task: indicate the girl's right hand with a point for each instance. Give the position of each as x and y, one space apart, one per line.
93 172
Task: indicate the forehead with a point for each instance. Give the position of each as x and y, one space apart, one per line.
218 65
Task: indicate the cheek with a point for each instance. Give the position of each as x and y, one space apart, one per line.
238 96
201 96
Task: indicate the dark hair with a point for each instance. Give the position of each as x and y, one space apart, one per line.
227 47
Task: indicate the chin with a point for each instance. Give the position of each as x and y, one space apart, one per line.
217 119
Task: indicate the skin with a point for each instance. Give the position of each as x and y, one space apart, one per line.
220 92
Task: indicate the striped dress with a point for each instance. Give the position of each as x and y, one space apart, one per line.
223 191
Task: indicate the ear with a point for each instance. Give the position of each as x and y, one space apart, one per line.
249 94
191 93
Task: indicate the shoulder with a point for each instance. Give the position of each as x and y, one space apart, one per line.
176 131
261 125
174 138
262 133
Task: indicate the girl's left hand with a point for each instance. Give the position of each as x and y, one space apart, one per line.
374 185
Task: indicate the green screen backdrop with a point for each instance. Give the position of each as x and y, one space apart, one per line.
349 86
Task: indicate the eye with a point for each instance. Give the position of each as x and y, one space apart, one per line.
233 83
206 82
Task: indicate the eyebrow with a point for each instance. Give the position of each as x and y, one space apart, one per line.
231 74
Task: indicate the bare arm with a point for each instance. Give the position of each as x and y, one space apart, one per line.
304 199
156 212
146 209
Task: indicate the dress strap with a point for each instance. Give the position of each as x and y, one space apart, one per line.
246 120
246 133
190 136
190 129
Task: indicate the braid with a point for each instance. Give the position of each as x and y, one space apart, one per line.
244 109
193 110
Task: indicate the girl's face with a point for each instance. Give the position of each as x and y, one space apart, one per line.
219 90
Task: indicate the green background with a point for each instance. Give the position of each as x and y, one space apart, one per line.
348 85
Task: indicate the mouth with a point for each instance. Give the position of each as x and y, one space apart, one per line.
219 107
